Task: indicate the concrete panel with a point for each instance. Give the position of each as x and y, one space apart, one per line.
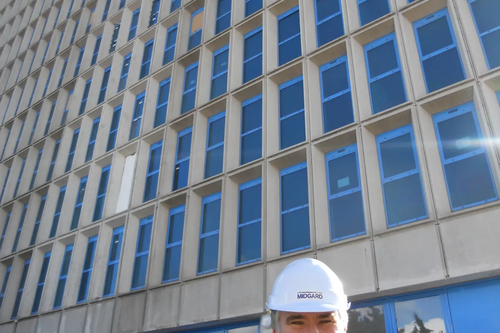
162 308
8 328
73 320
129 313
27 326
236 301
353 263
99 317
408 256
464 253
49 324
199 301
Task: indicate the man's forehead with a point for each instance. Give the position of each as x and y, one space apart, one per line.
298 315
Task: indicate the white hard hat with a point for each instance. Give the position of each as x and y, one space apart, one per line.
307 285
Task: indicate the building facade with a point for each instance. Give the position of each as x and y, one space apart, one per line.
163 160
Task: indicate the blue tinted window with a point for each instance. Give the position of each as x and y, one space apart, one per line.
41 283
96 50
66 108
106 10
252 55
83 104
114 39
104 85
87 270
34 127
19 136
49 120
175 5
336 94
182 156
153 171
5 144
169 52
36 83
142 253
146 59
79 62
75 29
295 233
487 20
153 18
400 173
219 72
44 89
289 44
4 284
61 77
113 131
80 195
45 54
215 144
53 160
291 105
101 194
137 116
251 130
441 63
19 178
72 149
209 234
464 158
345 199
35 170
20 289
329 20
133 24
20 228
63 276
189 92
385 77
223 18
113 262
251 6
162 102
195 29
124 73
38 220
4 230
370 10
57 213
249 222
172 264
92 139
57 48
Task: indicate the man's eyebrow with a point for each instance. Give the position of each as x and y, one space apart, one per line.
326 316
294 317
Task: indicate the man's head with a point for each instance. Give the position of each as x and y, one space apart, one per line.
307 297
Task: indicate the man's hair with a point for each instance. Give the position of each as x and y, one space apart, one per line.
340 316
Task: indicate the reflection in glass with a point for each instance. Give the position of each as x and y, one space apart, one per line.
367 320
423 315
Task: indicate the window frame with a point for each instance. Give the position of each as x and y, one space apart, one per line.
330 156
173 211
391 37
124 75
61 77
144 221
185 92
243 105
282 86
35 169
132 32
219 16
429 19
168 48
41 283
92 139
34 127
57 212
136 117
317 23
214 76
146 63
172 7
39 215
177 162
246 8
281 17
97 47
206 200
104 85
164 104
20 228
361 24
19 177
481 35
34 88
75 30
390 135
4 284
68 251
85 97
101 195
55 153
19 135
20 289
80 196
208 148
66 109
113 132
71 154
118 231
191 34
4 229
261 54
153 17
92 239
284 172
448 114
242 187
79 62
49 119
155 146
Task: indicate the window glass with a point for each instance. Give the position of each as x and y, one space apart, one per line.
420 315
